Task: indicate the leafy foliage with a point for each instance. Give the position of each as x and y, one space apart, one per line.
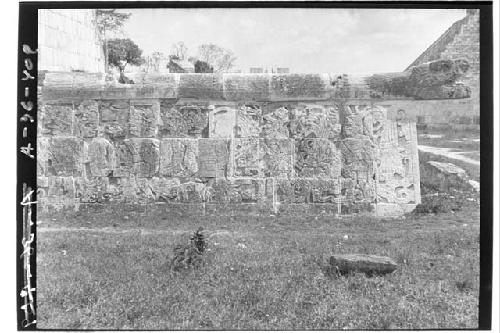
123 51
219 58
202 67
110 20
189 255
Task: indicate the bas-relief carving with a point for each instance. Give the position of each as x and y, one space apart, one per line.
245 161
178 157
144 118
57 119
180 120
248 121
398 170
318 158
276 157
253 150
114 119
275 122
99 158
64 156
298 191
315 121
86 119
139 157
241 191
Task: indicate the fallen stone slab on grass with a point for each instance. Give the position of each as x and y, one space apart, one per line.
364 263
444 176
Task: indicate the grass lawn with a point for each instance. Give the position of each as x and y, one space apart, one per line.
259 273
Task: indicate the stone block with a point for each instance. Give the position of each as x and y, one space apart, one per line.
222 122
312 209
248 121
144 118
181 190
241 190
99 157
396 181
315 121
140 157
317 158
42 156
114 117
301 191
245 159
251 87
201 86
64 157
178 157
92 189
357 156
179 120
275 122
57 194
60 187
356 120
300 87
326 191
363 263
276 157
86 119
57 119
356 190
213 157
358 170
293 191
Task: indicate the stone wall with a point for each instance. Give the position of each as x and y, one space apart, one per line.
460 41
68 41
224 144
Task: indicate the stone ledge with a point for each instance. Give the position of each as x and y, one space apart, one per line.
434 80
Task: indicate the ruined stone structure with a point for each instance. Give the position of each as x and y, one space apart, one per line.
68 41
460 41
225 144
235 143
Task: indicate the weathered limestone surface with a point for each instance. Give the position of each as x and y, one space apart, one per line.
144 118
183 119
276 157
434 80
245 160
86 119
213 157
114 118
57 119
316 158
364 263
226 144
178 157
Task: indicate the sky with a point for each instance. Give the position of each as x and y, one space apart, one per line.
304 40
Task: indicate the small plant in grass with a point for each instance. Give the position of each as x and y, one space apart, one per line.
190 254
464 284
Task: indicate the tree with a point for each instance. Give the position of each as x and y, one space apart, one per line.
219 58
202 67
123 51
109 21
179 50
